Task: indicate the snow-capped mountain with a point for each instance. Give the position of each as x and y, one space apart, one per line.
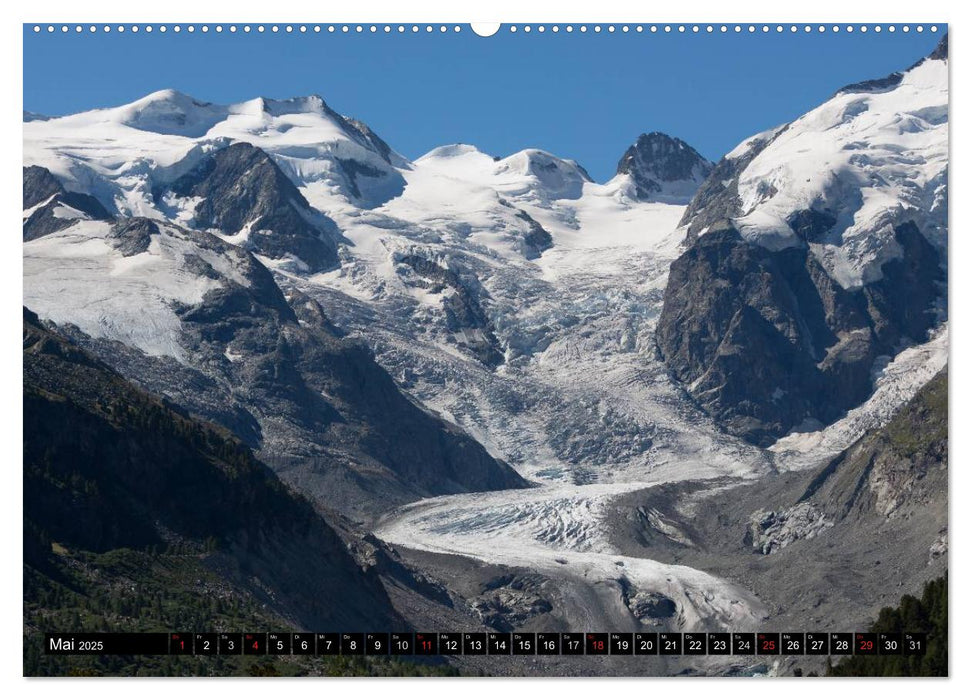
661 168
451 267
457 275
841 177
814 250
201 321
124 155
278 269
240 191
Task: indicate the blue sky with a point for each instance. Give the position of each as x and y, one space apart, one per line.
581 96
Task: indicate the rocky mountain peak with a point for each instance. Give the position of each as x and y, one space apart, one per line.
244 191
49 207
940 51
663 167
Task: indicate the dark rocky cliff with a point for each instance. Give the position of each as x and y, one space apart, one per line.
45 194
766 341
242 187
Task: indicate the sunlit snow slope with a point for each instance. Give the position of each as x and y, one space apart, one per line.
873 156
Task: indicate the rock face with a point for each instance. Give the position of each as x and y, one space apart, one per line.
663 168
765 341
536 240
51 207
133 236
938 548
509 601
243 190
717 199
650 608
108 466
39 184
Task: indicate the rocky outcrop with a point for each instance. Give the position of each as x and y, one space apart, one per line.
938 548
648 607
940 51
770 530
765 341
51 207
366 136
39 184
244 191
465 318
132 236
663 167
716 199
510 601
536 240
890 81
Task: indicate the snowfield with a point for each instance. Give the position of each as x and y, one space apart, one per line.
76 276
869 159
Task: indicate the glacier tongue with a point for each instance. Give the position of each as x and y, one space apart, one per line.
557 530
580 395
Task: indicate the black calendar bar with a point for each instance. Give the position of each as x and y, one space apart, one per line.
491 643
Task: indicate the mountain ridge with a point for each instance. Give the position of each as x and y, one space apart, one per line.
663 167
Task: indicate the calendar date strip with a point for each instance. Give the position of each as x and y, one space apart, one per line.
488 643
